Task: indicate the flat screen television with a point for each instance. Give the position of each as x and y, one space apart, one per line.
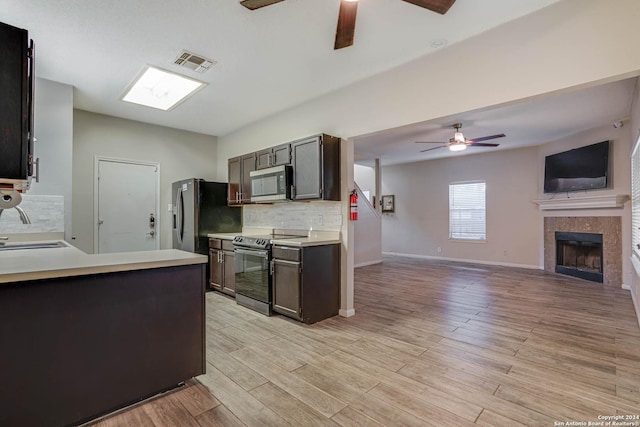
584 168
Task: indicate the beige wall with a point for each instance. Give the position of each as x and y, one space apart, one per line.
181 155
365 177
634 133
54 132
420 223
367 234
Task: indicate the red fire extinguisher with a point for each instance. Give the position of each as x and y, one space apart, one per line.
353 206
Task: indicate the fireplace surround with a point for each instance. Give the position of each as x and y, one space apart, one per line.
610 227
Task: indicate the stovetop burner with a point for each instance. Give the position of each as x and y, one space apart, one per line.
261 242
258 242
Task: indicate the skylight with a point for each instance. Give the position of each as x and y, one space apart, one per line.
161 89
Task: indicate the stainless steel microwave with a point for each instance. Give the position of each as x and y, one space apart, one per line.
271 184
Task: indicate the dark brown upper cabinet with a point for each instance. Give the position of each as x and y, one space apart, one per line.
240 169
316 168
16 104
315 162
273 156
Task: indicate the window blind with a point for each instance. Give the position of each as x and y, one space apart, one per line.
635 199
467 211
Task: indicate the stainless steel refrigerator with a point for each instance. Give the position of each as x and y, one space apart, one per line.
199 208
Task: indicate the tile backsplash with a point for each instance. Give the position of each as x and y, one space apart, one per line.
45 212
322 215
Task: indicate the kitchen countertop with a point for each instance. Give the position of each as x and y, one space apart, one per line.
34 264
314 238
305 241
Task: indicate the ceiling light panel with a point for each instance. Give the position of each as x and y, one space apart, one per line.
161 89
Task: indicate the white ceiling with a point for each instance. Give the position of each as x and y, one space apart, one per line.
269 60
526 123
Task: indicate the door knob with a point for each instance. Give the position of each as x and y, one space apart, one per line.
151 233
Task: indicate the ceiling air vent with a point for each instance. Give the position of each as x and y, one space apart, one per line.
197 63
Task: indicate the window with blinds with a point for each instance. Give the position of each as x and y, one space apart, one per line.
467 211
635 198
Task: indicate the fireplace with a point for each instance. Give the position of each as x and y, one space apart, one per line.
579 255
610 227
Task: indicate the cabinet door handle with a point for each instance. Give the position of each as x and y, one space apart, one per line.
37 174
271 267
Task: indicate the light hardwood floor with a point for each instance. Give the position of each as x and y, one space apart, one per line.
432 343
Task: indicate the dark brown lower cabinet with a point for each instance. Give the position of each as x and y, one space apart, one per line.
74 348
221 264
306 281
287 292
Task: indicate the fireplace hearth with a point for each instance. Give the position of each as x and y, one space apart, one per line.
579 255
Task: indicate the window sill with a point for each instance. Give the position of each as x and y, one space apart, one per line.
453 240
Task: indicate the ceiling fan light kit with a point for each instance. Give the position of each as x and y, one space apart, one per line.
458 147
346 28
460 143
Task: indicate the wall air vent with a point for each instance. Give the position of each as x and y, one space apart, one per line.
197 63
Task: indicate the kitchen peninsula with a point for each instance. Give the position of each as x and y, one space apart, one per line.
83 335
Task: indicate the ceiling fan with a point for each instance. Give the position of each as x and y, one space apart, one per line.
459 142
347 15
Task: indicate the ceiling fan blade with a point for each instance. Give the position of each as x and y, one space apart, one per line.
482 144
486 138
256 4
438 6
430 142
346 24
434 148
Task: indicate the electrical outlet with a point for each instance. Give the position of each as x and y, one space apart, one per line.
505 252
439 249
170 207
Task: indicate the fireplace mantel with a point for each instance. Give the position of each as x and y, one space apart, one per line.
588 202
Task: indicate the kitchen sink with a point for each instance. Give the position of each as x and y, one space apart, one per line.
32 245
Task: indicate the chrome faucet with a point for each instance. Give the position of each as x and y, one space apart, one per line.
23 215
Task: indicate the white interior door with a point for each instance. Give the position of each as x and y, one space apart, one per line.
127 206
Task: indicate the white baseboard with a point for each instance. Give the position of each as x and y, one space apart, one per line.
469 261
364 264
347 313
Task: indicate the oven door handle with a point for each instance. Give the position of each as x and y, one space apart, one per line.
261 254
